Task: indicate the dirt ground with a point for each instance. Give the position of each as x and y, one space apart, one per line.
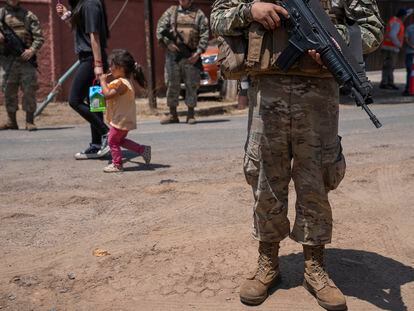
178 239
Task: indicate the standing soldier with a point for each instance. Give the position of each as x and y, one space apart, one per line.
183 30
18 72
293 133
393 42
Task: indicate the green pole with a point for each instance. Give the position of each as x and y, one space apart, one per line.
56 89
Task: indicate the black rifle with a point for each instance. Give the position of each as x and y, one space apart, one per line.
14 45
184 51
310 28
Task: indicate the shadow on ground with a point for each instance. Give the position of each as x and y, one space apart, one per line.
364 275
213 121
381 96
144 167
55 128
132 157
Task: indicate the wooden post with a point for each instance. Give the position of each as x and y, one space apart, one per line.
149 43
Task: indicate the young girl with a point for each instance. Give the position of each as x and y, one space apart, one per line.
120 107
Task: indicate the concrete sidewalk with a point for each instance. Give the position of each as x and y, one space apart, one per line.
209 104
390 96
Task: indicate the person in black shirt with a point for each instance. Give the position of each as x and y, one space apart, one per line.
89 23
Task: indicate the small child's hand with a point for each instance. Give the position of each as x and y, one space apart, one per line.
61 9
103 77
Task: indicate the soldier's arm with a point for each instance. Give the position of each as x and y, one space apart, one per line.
230 17
36 31
366 14
164 23
204 33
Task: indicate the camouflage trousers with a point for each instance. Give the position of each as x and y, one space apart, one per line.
19 74
177 72
1 69
293 127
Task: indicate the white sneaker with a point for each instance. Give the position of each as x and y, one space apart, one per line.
111 168
90 153
104 147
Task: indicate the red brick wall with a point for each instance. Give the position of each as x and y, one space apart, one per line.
57 55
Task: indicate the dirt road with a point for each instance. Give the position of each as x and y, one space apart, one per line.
176 233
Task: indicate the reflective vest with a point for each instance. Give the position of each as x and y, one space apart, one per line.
387 38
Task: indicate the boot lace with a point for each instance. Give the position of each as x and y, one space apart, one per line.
318 265
266 260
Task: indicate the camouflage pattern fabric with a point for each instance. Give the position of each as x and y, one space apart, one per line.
177 72
1 69
293 118
26 25
201 23
293 133
18 74
228 18
367 15
182 71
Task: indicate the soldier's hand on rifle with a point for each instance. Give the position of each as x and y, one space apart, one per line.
1 38
173 48
27 54
316 56
267 14
194 58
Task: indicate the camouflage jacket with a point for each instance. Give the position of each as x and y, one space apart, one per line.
25 24
228 18
166 22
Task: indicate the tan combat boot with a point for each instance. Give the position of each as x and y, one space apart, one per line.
255 289
171 117
317 281
30 126
11 123
190 116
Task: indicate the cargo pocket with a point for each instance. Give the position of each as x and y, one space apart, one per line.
251 165
333 164
231 56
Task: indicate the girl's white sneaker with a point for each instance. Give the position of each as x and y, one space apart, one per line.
111 168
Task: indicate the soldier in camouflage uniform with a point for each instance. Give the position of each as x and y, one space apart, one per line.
17 71
192 25
293 134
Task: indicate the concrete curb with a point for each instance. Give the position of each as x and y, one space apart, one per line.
214 110
210 110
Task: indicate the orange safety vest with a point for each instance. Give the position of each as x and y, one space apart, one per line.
400 36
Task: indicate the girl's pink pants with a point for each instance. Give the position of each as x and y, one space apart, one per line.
116 140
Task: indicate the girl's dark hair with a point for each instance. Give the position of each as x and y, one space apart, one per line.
124 59
76 8
402 12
